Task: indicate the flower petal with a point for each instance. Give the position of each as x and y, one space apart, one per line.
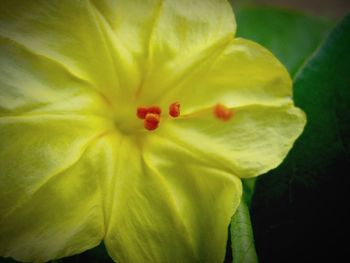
240 73
166 37
66 32
30 83
165 209
50 203
255 140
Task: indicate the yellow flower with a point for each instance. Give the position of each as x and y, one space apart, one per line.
78 166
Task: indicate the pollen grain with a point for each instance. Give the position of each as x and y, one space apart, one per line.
174 109
151 121
222 112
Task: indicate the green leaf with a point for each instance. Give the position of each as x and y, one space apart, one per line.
291 36
322 89
242 240
300 208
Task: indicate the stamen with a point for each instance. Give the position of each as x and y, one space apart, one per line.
155 110
174 109
141 112
151 121
151 115
222 112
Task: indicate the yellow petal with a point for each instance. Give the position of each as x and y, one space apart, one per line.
240 73
166 37
162 209
66 32
37 146
34 84
255 140
50 202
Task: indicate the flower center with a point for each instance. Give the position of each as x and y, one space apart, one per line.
151 115
132 119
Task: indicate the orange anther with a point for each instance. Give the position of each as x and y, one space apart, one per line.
174 109
222 112
151 121
155 110
141 112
